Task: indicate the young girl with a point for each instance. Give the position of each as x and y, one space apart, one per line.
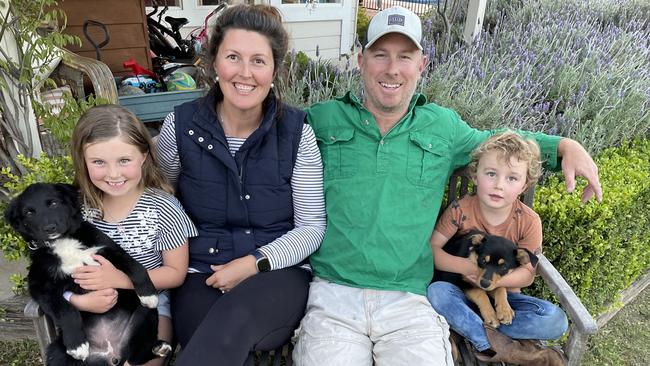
502 168
126 197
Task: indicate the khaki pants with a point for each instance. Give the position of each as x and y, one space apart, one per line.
351 326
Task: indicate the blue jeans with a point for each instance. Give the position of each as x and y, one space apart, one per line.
534 318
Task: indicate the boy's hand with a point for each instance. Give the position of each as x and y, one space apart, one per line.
100 277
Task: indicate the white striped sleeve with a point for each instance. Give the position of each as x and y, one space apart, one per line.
167 150
176 226
308 208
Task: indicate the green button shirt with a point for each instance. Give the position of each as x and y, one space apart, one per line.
383 193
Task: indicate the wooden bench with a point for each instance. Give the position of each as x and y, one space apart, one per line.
582 324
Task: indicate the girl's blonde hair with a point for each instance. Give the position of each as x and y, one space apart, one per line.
100 124
509 145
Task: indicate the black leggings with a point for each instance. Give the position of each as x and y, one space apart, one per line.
259 314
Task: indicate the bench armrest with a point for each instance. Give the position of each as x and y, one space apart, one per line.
570 302
43 326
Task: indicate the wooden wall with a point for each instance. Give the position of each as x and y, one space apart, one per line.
127 27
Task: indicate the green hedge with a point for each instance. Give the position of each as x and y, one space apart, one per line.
599 248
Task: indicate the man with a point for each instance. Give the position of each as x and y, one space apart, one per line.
386 160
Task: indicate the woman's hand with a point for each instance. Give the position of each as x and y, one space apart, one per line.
97 302
101 277
229 275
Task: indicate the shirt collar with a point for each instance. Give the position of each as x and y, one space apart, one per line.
417 100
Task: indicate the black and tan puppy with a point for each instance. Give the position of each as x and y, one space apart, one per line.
49 218
495 256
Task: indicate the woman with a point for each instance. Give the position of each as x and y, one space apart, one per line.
249 174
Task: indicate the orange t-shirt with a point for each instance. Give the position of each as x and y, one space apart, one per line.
523 227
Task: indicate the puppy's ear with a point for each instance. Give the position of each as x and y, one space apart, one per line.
477 239
12 213
69 193
525 256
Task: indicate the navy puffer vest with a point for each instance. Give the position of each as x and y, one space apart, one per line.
237 203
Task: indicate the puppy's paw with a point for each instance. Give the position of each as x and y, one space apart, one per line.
81 352
150 301
491 321
505 314
161 349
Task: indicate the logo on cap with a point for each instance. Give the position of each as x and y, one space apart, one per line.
396 19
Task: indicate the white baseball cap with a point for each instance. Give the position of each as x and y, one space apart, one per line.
395 20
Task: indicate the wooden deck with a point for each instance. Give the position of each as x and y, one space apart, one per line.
13 323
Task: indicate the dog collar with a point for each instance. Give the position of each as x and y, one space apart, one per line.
33 245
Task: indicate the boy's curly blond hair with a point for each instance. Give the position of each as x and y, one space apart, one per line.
508 145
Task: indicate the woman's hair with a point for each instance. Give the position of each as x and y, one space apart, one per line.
100 124
510 145
263 19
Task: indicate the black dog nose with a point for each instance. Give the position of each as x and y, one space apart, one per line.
485 283
50 228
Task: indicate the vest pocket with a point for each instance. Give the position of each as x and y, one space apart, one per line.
428 160
210 249
337 152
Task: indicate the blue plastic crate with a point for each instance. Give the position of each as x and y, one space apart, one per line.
156 106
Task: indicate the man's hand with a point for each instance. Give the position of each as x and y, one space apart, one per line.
229 275
577 162
101 277
95 301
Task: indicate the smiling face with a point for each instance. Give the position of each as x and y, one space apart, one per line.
499 183
244 63
115 167
391 69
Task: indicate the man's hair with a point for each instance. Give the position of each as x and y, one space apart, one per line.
100 124
509 145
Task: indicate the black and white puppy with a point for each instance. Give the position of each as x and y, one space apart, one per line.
48 216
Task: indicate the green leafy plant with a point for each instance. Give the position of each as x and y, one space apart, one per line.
61 124
600 248
363 20
31 46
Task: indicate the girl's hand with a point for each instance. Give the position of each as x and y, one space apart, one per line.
229 275
100 277
95 301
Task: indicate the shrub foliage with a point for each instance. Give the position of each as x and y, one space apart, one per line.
600 248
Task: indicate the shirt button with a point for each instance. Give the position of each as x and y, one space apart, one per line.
247 231
191 132
211 250
241 198
209 147
381 142
247 196
333 138
200 139
366 122
430 146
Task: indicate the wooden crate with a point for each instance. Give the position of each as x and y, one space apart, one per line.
127 27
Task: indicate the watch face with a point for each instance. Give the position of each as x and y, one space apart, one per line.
263 264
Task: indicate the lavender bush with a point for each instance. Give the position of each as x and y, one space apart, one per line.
576 69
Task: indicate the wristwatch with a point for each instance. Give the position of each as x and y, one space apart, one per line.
261 262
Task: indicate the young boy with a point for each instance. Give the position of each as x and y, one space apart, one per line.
502 168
